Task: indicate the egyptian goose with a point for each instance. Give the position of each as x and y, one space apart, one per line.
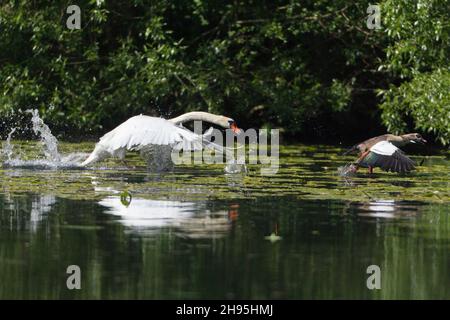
383 152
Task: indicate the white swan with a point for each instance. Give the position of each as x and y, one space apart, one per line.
141 133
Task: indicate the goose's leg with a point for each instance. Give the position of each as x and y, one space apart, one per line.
363 155
370 170
361 158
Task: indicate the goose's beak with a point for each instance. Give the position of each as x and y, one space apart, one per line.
235 128
421 141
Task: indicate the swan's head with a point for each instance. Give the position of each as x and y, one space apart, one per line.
231 124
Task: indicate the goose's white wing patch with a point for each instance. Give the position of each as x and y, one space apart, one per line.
384 148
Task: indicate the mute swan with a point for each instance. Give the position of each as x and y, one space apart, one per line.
382 152
144 133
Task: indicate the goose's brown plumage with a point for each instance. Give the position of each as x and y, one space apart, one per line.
383 152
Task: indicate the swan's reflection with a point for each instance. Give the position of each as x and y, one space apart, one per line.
189 219
143 213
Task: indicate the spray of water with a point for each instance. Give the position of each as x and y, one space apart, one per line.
53 159
234 167
48 140
8 147
347 170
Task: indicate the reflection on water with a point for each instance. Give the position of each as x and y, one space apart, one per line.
147 214
389 209
218 249
189 219
29 212
40 206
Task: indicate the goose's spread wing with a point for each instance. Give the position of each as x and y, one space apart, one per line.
388 157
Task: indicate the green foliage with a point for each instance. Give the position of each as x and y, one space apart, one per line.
273 63
109 69
426 99
309 67
418 53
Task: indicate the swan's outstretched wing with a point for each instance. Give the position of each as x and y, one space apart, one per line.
195 142
142 131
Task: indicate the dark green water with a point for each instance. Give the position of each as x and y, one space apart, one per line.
197 233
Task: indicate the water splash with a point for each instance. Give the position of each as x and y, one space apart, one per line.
71 161
236 166
8 148
348 170
53 159
48 140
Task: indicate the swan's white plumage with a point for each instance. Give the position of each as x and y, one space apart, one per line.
142 131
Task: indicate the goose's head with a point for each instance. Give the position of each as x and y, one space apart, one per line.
414 138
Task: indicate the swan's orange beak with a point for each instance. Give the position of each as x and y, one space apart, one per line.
235 128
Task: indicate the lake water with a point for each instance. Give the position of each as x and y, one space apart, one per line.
197 233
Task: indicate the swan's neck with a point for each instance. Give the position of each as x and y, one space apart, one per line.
197 115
